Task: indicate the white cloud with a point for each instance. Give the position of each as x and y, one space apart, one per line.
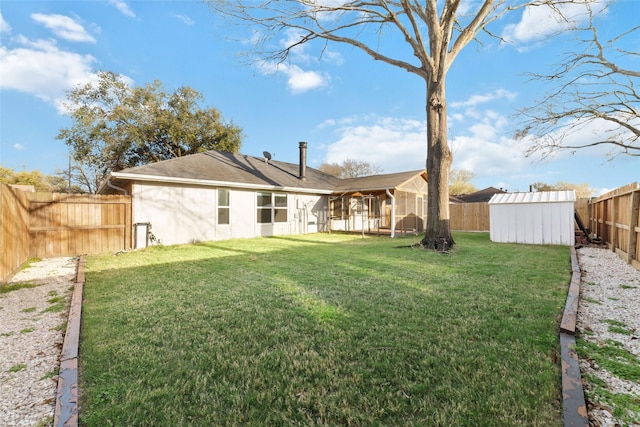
18 146
498 155
476 100
539 22
41 69
64 27
397 144
123 7
185 19
4 26
394 144
298 80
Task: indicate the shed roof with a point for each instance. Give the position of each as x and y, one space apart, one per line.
535 197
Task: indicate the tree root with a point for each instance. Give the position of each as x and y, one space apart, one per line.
443 245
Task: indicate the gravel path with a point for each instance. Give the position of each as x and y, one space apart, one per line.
31 334
609 311
32 325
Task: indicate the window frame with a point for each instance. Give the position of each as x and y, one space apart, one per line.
223 207
270 208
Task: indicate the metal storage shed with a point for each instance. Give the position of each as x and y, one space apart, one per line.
544 217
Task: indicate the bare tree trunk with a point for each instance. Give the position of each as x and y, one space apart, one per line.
439 159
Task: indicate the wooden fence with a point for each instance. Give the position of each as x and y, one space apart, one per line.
614 217
14 230
46 225
475 216
469 216
67 224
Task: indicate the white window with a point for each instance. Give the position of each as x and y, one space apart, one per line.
272 207
223 207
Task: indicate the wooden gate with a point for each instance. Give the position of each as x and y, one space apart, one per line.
68 225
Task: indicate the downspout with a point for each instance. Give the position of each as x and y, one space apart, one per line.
393 213
115 187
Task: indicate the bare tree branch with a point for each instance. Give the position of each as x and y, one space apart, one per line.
590 92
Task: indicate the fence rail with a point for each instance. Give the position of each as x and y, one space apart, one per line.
614 217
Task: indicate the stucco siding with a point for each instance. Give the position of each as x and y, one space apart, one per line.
177 214
185 214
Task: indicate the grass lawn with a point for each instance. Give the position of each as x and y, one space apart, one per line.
324 330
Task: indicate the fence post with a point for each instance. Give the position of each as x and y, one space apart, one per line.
614 223
633 235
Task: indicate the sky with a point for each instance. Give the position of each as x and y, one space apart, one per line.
335 97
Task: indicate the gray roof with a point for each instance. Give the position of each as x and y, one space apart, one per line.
376 182
480 196
223 167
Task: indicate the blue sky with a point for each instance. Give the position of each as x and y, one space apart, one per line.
344 104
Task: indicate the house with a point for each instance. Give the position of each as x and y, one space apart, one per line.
396 202
217 195
479 196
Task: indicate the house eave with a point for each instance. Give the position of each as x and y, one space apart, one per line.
209 183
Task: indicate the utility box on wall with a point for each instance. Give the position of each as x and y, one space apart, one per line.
542 218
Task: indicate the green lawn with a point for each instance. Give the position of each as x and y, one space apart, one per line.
324 330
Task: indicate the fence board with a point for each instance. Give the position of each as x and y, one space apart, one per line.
14 230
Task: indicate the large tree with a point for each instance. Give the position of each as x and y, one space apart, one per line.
116 126
35 178
593 99
435 32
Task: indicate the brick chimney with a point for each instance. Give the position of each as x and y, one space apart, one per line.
303 161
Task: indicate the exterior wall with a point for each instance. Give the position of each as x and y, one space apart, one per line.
533 223
186 214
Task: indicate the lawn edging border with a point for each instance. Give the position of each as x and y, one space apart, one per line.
573 402
66 409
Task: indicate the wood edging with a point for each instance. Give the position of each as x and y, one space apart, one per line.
573 402
66 410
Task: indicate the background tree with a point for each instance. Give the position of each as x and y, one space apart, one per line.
595 92
460 181
37 179
435 33
582 190
350 168
116 127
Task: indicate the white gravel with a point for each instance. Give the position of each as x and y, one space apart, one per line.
609 293
31 341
